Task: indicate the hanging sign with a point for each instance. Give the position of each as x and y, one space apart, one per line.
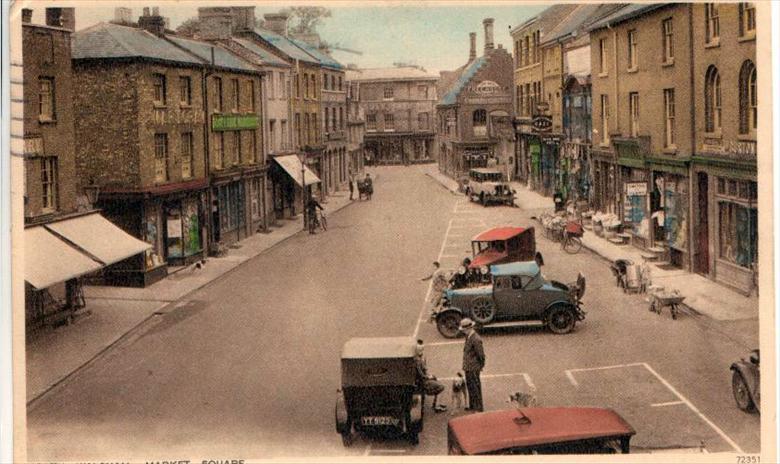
542 123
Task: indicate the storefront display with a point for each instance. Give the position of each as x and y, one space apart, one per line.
191 227
675 207
738 221
152 236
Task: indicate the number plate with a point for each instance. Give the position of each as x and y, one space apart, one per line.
379 420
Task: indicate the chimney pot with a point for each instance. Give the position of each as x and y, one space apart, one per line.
276 22
488 23
26 15
155 11
146 11
216 22
473 49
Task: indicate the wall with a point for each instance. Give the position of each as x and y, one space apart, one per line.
407 103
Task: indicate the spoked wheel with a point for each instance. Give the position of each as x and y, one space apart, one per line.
741 394
483 311
449 324
573 245
561 320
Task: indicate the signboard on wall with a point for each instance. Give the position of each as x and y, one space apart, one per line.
636 188
542 123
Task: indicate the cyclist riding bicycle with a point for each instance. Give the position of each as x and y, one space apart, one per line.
311 211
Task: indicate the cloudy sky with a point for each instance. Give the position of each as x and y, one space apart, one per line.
433 34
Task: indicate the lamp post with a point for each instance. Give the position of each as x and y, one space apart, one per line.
92 191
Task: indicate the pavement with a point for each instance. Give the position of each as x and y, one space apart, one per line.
112 312
702 296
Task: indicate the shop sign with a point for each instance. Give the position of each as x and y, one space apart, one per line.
542 123
486 88
550 139
223 122
636 188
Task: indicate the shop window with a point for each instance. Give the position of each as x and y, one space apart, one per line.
748 109
738 233
712 101
191 227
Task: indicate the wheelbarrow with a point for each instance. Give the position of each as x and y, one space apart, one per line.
660 299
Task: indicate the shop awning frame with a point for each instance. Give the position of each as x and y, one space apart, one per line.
293 166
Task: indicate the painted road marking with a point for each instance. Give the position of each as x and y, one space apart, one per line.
669 386
526 377
668 403
444 343
430 284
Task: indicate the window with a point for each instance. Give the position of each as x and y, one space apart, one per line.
603 56
335 122
160 157
313 83
284 134
423 91
315 128
371 122
158 82
738 221
297 85
389 122
185 91
527 101
252 148
748 109
236 148
668 44
272 135
49 183
218 94
298 130
423 121
341 118
669 117
341 83
236 96
747 19
712 100
527 54
632 58
282 87
605 119
305 86
388 92
186 155
713 22
252 96
46 99
479 123
219 150
633 107
306 129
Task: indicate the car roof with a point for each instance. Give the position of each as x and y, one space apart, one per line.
518 268
498 233
497 430
486 257
379 347
487 170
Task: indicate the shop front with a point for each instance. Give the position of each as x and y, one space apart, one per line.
574 172
605 173
551 172
228 211
183 230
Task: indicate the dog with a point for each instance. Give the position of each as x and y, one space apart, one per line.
458 400
523 400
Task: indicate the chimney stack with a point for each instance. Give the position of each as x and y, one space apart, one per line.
123 15
216 22
473 50
276 22
26 15
154 23
61 17
243 18
488 23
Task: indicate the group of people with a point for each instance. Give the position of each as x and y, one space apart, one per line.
466 381
367 182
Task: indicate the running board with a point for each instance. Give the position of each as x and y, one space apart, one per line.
516 324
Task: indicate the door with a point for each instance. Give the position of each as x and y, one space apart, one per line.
703 231
506 297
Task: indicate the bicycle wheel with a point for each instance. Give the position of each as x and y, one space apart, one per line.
573 245
323 223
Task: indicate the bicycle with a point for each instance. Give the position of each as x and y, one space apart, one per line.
318 221
570 242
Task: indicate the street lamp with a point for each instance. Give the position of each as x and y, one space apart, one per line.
92 191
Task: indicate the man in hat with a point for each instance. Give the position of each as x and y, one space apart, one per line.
427 381
473 362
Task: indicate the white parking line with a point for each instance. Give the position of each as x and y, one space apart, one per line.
430 284
528 381
668 403
601 368
572 379
394 451
525 377
444 343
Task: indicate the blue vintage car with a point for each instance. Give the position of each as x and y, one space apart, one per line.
517 295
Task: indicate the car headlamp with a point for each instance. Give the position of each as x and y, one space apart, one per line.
462 270
484 269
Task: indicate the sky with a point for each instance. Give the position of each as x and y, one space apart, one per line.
432 34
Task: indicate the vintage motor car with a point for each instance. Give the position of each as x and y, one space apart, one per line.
379 388
517 295
563 430
501 245
487 185
746 382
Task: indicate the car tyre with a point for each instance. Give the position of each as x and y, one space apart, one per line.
414 438
448 324
741 394
482 199
483 311
561 319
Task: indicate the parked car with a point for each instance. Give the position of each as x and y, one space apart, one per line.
746 382
502 245
540 431
517 295
488 186
379 388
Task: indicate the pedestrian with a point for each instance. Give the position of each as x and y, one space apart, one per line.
458 393
351 184
427 382
473 363
441 281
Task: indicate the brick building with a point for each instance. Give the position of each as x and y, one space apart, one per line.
356 126
64 237
474 113
399 105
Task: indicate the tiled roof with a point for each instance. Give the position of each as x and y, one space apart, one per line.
222 58
324 59
284 45
630 11
571 23
106 40
390 74
463 79
263 54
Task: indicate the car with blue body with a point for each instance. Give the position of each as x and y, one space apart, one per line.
518 294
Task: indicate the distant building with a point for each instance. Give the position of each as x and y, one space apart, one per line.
399 105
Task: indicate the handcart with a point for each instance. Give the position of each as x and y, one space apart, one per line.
660 299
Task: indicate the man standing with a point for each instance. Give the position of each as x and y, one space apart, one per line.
351 184
473 362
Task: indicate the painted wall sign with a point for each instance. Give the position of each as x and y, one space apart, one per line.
542 123
636 188
222 122
487 88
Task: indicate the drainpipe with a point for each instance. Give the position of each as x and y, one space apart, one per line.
264 152
617 178
693 228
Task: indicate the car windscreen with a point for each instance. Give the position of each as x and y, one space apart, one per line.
536 282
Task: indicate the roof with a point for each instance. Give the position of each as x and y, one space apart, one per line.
285 45
624 14
572 23
323 58
498 233
462 81
529 268
405 73
266 56
379 347
222 58
497 430
106 40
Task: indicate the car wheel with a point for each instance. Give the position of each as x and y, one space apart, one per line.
741 393
483 311
448 324
561 319
482 199
414 438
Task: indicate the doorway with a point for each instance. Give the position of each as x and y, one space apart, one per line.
702 261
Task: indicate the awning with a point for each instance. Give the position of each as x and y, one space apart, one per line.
99 237
49 260
292 165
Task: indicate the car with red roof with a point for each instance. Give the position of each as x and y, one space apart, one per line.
555 430
501 245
